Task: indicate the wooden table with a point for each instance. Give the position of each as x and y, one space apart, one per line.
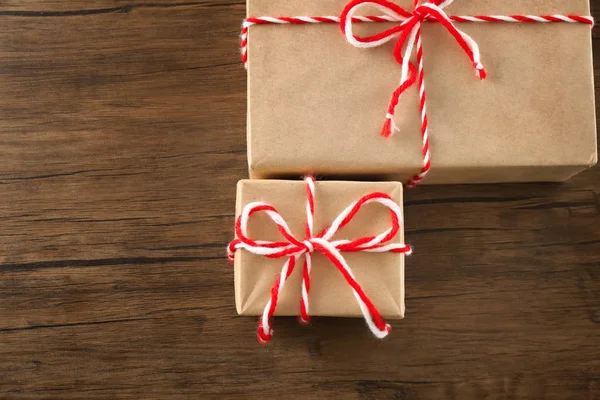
122 136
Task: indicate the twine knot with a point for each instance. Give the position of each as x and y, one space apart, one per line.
308 246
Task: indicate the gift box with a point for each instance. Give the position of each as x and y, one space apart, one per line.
361 210
316 104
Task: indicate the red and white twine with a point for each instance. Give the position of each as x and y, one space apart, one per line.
293 249
408 35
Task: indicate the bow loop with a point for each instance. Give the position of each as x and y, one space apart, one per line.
271 249
367 242
388 8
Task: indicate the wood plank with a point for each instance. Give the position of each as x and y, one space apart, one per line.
58 8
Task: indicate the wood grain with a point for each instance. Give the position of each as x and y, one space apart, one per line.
122 135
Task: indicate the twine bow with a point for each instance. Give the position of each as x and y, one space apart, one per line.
293 249
408 34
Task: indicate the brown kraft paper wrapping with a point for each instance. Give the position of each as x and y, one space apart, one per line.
316 104
381 275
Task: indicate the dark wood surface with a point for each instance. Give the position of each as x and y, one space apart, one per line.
122 136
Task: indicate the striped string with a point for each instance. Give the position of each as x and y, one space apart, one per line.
292 249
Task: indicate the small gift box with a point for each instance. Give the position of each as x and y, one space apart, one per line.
319 248
323 83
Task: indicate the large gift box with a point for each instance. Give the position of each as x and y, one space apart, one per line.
316 104
364 212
